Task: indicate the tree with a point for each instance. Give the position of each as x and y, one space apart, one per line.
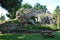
37 6
40 7
26 5
57 8
12 6
57 15
56 12
44 8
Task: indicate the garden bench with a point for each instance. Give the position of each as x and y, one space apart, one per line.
47 33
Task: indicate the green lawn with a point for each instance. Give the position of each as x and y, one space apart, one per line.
27 37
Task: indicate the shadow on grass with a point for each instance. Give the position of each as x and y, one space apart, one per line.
12 36
27 37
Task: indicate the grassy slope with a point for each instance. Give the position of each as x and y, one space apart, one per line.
27 37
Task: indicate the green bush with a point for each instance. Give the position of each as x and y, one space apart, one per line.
36 27
33 18
45 28
15 21
27 27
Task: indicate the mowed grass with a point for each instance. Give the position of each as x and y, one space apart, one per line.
27 37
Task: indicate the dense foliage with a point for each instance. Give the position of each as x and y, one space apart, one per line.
26 6
40 7
12 6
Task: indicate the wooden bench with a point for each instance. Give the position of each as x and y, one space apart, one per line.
47 33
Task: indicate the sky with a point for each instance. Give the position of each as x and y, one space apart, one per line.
50 4
3 12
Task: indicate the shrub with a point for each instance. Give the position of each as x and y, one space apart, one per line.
45 28
33 18
15 21
36 27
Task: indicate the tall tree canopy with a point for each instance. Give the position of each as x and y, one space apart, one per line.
40 7
57 10
57 7
11 5
26 5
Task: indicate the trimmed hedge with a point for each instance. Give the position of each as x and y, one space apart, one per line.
36 27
